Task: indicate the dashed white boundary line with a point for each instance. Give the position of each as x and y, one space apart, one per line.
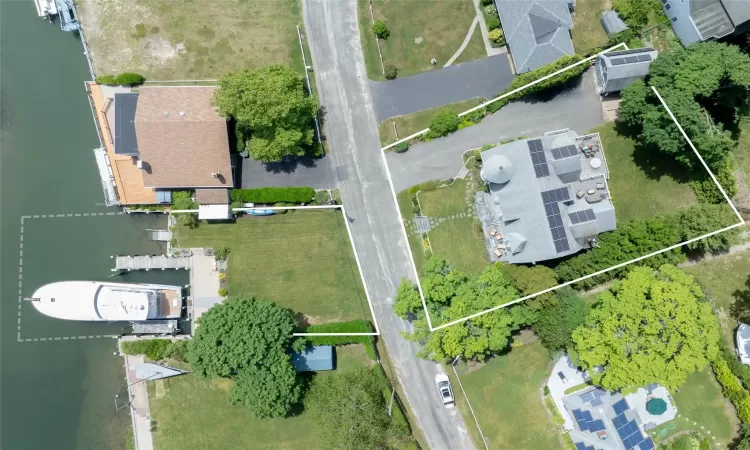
20 279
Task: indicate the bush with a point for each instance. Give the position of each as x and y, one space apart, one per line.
182 200
381 29
491 10
390 71
223 292
140 30
732 389
109 80
497 36
402 147
493 24
353 326
221 253
706 190
443 123
153 349
487 2
130 79
222 276
270 195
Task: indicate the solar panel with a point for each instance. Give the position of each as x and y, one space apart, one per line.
583 425
598 392
618 61
587 416
629 52
577 414
580 446
596 401
587 397
586 215
590 447
631 59
618 421
597 425
564 152
620 407
644 58
551 208
537 158
647 444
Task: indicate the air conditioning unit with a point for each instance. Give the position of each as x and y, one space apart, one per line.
139 164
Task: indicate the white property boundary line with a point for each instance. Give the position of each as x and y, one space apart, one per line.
354 250
461 385
546 77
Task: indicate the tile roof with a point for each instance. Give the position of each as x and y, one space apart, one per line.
182 140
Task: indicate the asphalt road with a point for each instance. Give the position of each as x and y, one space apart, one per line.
484 77
578 108
352 135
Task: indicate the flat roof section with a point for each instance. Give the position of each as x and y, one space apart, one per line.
125 142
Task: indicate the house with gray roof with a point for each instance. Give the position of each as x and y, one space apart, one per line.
701 20
537 31
616 70
548 197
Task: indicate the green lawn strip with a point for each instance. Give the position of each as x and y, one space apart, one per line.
454 240
444 201
192 413
191 40
474 49
588 31
700 400
463 408
415 240
721 279
368 41
420 31
506 398
411 123
576 388
301 260
636 193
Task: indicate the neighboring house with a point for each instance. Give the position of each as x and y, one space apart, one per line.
616 70
612 23
165 139
548 197
701 20
314 359
537 31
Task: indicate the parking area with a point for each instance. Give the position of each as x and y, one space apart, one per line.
307 171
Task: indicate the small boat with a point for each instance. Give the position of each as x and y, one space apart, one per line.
96 301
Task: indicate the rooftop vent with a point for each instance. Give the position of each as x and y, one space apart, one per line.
215 174
182 113
139 164
166 113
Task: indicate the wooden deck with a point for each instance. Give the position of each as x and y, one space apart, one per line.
152 262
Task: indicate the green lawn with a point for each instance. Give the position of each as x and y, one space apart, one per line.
409 124
638 192
588 31
415 240
444 201
420 31
742 152
192 412
190 40
475 50
700 400
302 260
506 398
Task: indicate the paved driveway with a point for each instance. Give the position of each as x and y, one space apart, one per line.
485 77
577 108
376 228
313 172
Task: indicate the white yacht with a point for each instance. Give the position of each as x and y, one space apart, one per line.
108 302
46 8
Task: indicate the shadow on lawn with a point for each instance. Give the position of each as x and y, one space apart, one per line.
740 309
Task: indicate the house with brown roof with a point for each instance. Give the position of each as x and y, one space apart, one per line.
173 139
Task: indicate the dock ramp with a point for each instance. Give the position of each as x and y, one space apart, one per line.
152 262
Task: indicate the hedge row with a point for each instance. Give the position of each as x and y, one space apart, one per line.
271 195
123 79
353 326
156 349
732 389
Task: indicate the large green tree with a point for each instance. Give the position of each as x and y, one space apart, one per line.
269 390
652 327
530 280
272 103
350 412
558 320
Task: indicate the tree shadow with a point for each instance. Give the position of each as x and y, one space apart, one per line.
740 309
552 92
656 164
290 164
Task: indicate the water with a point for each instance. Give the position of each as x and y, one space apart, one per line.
56 394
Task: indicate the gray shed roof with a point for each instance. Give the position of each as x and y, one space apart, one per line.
612 23
125 142
537 31
315 358
619 69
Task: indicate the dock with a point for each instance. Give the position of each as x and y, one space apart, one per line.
168 326
160 235
152 262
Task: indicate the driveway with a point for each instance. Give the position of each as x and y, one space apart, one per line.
577 108
377 232
485 77
313 172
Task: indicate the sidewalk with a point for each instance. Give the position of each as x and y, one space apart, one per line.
140 413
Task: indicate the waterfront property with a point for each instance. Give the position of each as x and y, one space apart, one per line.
616 70
548 197
162 139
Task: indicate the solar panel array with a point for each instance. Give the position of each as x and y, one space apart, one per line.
644 58
564 152
582 446
630 59
586 421
587 215
630 52
629 433
591 395
538 158
551 208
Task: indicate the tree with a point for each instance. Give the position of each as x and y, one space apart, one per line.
269 390
701 219
557 321
183 200
530 280
272 103
380 29
652 327
443 123
350 411
744 442
390 71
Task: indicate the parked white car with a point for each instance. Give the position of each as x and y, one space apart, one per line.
445 391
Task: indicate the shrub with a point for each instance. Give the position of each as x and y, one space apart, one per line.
402 147
182 200
270 195
380 29
497 36
222 276
390 71
140 30
491 10
153 349
493 24
353 326
173 242
487 2
106 79
706 190
444 122
223 292
221 253
130 79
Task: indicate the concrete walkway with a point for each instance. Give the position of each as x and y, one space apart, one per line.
465 42
577 108
204 283
140 413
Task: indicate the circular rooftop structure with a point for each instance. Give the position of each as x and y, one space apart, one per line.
562 140
497 169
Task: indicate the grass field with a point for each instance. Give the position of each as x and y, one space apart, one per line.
411 123
700 400
742 152
190 39
420 31
506 397
588 31
302 260
415 240
192 413
445 201
640 187
475 50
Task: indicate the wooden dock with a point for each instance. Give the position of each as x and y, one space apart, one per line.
160 235
167 326
152 262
